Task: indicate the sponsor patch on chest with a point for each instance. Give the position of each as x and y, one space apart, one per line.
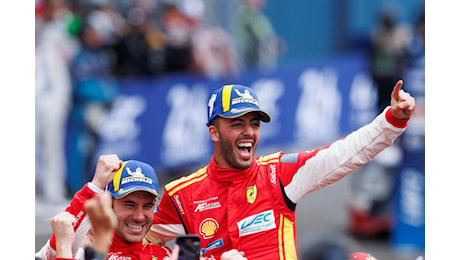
213 245
179 204
117 256
259 222
208 227
202 205
273 173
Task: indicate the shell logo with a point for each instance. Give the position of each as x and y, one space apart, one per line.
208 227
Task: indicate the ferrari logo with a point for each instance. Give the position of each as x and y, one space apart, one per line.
251 194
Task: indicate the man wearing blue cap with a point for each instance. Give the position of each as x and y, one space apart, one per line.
248 203
133 186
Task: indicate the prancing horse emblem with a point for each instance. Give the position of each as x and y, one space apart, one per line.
251 194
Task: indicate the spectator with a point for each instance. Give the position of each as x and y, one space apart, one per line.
141 51
257 44
213 50
94 90
417 46
388 54
178 29
104 16
54 49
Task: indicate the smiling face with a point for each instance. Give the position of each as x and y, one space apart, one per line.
135 215
235 140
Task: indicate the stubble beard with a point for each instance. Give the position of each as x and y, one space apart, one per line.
229 154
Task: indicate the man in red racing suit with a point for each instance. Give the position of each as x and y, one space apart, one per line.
126 179
252 209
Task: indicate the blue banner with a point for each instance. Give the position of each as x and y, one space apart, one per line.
408 234
162 121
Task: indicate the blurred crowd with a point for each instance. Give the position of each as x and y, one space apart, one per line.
84 47
145 38
395 48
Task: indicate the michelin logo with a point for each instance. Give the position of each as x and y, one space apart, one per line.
137 172
245 97
136 176
260 222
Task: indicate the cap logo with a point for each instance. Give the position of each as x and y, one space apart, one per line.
232 101
246 94
226 95
138 172
136 176
117 177
245 97
132 176
211 102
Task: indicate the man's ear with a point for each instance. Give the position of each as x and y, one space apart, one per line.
213 133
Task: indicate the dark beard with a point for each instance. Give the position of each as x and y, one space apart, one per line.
228 153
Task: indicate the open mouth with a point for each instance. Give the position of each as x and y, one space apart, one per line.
135 228
245 149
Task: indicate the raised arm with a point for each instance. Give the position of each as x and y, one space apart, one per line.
346 155
62 225
103 221
107 166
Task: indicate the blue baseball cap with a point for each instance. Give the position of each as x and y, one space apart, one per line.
232 101
133 176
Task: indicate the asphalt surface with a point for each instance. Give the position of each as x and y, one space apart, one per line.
321 216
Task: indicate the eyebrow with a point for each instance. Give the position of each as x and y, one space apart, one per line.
236 119
133 202
241 120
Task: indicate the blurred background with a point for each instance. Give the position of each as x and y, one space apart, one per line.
132 77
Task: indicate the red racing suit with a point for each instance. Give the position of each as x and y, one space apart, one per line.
118 250
253 210
140 250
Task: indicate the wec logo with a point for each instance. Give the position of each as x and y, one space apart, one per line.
257 223
260 218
